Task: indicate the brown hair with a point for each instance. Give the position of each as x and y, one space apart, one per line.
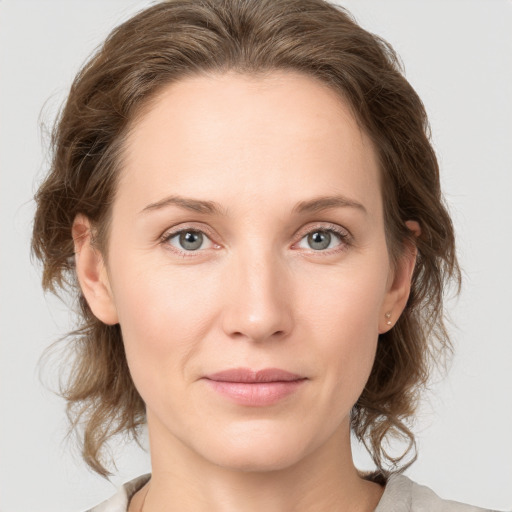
176 38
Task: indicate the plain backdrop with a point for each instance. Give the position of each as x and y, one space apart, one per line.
458 56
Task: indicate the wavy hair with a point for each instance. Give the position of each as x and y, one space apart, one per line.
178 38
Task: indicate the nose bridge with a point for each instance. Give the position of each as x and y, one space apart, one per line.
258 305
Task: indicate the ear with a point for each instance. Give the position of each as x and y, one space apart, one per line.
400 285
92 272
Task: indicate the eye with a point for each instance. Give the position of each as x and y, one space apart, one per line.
322 239
188 240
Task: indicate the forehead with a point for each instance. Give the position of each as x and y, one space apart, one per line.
233 135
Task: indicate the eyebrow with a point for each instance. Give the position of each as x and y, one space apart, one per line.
326 202
212 208
187 203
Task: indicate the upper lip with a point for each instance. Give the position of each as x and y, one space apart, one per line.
249 375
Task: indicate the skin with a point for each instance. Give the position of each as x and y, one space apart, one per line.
256 294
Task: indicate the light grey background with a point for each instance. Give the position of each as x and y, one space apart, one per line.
458 55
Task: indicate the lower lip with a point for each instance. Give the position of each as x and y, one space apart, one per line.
255 394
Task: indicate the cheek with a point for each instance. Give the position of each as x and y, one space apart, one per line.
342 314
164 313
346 299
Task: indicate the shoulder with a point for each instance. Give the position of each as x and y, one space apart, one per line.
403 495
121 499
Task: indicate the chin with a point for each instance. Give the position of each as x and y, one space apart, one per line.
256 450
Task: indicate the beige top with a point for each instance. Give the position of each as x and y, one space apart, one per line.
400 495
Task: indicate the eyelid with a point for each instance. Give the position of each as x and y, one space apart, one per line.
324 226
342 233
184 227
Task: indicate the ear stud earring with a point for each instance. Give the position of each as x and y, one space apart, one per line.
388 316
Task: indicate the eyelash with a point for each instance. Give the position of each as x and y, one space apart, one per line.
343 235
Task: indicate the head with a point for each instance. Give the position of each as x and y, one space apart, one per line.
240 104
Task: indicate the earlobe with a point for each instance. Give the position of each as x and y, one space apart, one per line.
399 291
92 273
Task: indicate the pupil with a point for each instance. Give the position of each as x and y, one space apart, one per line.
191 240
319 240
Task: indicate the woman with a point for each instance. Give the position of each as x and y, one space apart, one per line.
248 199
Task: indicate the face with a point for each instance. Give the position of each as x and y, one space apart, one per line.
247 233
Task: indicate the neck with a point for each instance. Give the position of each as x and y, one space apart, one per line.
325 479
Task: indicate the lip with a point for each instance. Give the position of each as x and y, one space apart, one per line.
252 376
255 388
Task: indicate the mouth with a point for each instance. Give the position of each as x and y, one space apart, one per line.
255 388
247 375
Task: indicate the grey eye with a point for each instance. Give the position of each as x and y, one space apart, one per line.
319 240
190 240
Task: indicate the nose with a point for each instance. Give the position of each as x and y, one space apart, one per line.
257 305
